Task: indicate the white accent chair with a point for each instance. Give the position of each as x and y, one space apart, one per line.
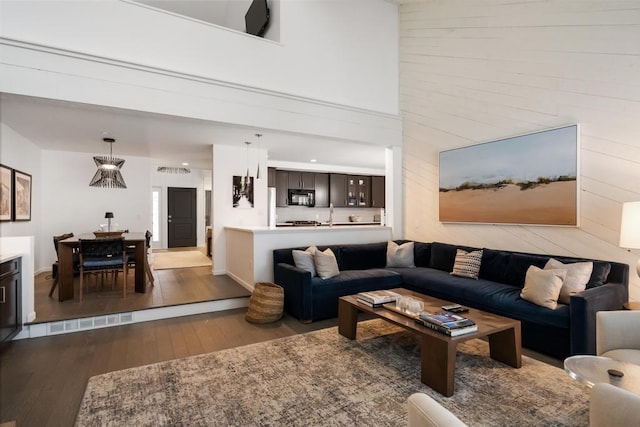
611 406
426 412
618 335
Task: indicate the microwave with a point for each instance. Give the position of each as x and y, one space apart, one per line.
302 198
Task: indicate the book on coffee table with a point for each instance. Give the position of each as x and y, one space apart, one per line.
452 332
447 320
378 298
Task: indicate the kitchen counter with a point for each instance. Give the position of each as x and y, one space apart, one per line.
250 249
326 224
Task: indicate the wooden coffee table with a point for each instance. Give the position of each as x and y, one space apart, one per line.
438 351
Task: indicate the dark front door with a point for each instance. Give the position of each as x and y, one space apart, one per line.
182 217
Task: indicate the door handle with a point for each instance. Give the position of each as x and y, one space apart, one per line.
2 299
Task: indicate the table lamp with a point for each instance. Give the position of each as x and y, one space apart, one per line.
630 228
108 215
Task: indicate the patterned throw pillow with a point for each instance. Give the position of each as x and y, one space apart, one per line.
467 264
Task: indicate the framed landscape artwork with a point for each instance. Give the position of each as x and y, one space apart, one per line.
6 193
21 196
526 179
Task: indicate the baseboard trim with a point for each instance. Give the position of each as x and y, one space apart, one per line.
118 319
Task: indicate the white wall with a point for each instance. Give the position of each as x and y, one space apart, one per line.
337 51
476 71
198 179
228 162
19 153
70 205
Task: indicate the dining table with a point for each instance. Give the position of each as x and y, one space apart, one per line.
66 248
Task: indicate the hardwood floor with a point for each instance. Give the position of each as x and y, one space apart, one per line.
42 380
172 287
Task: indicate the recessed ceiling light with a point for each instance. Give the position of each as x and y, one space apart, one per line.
185 164
313 160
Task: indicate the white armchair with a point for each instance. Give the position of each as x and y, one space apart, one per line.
426 412
618 335
612 406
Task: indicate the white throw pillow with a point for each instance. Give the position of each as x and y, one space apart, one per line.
467 264
326 263
400 255
304 259
578 275
542 287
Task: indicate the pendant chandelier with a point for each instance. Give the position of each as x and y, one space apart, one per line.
108 174
258 135
171 169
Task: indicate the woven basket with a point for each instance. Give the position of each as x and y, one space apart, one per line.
266 303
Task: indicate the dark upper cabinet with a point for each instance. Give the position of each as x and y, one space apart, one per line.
282 188
377 192
321 181
301 180
271 177
338 190
358 191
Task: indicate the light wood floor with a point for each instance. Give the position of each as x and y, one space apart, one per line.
171 287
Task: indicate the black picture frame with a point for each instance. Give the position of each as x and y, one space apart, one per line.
22 196
6 193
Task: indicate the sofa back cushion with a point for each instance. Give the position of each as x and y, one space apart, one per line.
443 255
421 254
519 264
494 265
362 257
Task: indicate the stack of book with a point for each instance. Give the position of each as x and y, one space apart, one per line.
447 323
376 299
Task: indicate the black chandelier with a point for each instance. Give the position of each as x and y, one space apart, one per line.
108 174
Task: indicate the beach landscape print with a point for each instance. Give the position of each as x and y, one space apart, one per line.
526 179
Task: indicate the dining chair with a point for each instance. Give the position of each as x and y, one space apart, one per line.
131 253
103 255
54 266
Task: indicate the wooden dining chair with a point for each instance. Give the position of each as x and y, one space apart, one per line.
55 267
103 255
131 253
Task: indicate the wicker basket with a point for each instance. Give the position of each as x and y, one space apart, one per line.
266 303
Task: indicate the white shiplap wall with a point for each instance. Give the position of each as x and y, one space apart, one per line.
476 70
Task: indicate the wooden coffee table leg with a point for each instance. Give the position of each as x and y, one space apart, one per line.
438 364
347 319
506 346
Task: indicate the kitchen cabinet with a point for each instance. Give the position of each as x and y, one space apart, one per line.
271 177
358 191
321 181
282 188
301 180
10 299
377 191
338 190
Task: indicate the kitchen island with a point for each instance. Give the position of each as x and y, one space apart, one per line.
250 249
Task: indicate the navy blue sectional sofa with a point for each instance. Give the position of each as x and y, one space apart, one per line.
567 330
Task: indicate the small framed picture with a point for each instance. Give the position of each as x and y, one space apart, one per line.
6 193
21 196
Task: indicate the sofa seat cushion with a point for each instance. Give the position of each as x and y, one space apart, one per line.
486 295
353 281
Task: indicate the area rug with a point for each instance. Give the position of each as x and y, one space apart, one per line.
179 259
323 379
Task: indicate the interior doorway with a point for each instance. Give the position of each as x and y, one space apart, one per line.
181 217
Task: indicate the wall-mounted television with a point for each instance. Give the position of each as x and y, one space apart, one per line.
257 18
525 179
